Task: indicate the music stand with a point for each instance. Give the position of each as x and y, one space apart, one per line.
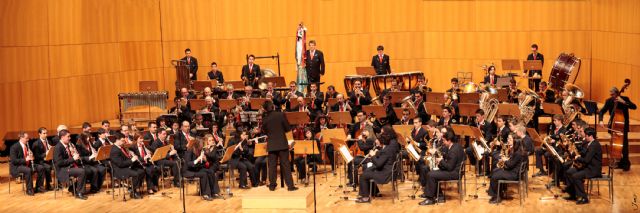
508 109
296 118
197 104
226 104
462 130
305 147
160 153
104 153
503 95
433 108
339 118
471 98
366 71
200 85
534 136
468 110
435 97
294 102
401 139
277 81
342 149
396 97
398 110
148 86
403 129
532 65
337 133
378 111
510 64
331 102
256 103
260 150
552 109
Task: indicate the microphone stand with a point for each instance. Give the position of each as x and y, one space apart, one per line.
315 170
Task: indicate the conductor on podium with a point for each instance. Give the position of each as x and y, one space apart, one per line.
275 125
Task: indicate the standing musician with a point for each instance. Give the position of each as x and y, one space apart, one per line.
88 157
215 73
192 64
22 162
488 131
171 159
514 92
358 97
314 63
449 168
447 117
316 96
365 143
67 164
40 149
624 104
491 78
380 62
292 93
151 171
555 130
535 55
125 165
380 165
275 126
251 72
512 164
592 161
198 165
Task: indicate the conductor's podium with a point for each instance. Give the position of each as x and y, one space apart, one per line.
262 198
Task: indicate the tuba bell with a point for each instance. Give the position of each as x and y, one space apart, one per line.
526 111
487 104
407 100
571 111
265 74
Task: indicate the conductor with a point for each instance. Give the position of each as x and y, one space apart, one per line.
275 125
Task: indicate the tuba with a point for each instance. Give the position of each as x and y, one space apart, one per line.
526 111
265 74
570 110
489 105
407 100
376 101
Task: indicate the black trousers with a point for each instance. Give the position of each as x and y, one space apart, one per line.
213 179
483 166
499 174
201 174
433 177
27 174
330 151
367 176
300 165
136 173
244 166
173 165
46 166
261 168
81 175
96 175
351 174
151 174
575 182
285 166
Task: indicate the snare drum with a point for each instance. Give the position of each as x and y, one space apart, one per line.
349 81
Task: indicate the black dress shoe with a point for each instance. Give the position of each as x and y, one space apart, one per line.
93 191
48 187
40 190
582 201
292 188
30 192
136 195
440 199
570 198
363 200
272 188
427 202
423 195
81 196
494 200
207 198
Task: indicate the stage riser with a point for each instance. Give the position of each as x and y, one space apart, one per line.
262 198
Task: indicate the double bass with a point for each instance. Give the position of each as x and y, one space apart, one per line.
616 125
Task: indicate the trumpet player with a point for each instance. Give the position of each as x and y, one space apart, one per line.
341 105
66 164
151 171
88 154
379 167
512 162
126 165
449 168
316 100
275 96
488 130
22 162
292 93
358 97
40 148
170 160
592 159
514 92
198 164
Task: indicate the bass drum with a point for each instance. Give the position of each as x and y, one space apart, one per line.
565 70
349 82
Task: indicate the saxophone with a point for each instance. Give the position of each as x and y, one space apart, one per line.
504 156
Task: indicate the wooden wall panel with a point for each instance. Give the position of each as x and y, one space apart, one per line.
23 23
82 21
35 104
138 20
78 60
23 63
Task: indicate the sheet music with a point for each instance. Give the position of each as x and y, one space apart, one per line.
344 151
412 151
479 150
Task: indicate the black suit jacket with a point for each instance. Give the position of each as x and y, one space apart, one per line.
315 66
180 143
488 130
216 76
149 137
452 160
487 79
513 164
120 162
275 125
381 67
418 137
136 151
503 134
39 151
17 158
63 161
592 159
608 107
528 144
540 57
255 72
192 66
318 102
383 162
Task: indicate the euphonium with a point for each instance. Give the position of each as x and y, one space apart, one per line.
407 100
526 111
570 110
490 106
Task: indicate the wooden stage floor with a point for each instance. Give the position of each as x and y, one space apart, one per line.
627 187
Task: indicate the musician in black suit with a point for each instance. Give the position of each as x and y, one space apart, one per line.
170 160
380 165
88 156
513 92
106 125
447 117
555 130
292 93
191 63
229 93
380 62
592 161
144 154
40 148
419 102
275 125
315 107
341 105
314 63
358 97
125 165
101 140
502 134
215 73
273 95
365 143
152 134
182 138
251 72
196 162
449 168
22 162
488 130
491 78
509 171
67 163
624 104
405 119
241 159
535 55
548 94
521 132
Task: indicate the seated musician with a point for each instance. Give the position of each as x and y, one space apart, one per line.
405 119
102 140
152 134
175 128
449 168
491 78
521 132
251 72
292 93
379 167
213 152
363 141
260 163
182 139
184 93
421 86
170 160
106 125
391 117
181 109
513 92
341 104
199 124
419 134
215 73
487 129
299 161
240 159
358 97
273 95
88 156
245 101
451 102
419 101
40 148
435 145
151 171
211 105
206 92
125 165
331 93
508 169
321 123
316 96
302 106
229 94
502 133
447 117
455 87
395 87
22 162
128 137
554 132
162 123
591 161
198 165
547 93
67 163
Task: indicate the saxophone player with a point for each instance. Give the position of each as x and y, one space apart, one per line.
22 162
592 159
512 163
379 167
488 130
125 166
449 168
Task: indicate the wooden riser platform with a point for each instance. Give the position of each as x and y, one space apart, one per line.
262 198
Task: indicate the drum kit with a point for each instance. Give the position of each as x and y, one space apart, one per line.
407 81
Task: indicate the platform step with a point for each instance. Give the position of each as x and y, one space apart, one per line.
262 198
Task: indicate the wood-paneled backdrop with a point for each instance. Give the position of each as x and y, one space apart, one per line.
64 61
